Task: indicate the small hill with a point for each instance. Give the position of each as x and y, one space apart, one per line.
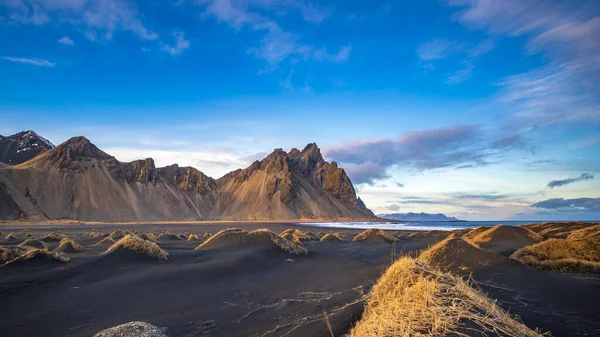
118 234
374 235
264 238
414 299
38 257
558 230
460 256
11 238
585 233
32 243
133 329
69 246
52 237
504 239
107 241
332 237
570 256
193 237
133 247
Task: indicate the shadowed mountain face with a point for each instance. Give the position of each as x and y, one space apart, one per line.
76 180
21 147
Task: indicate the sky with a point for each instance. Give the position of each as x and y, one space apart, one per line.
478 109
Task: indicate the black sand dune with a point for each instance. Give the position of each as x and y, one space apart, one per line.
252 291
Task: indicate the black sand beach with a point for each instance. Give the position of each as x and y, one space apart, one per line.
250 291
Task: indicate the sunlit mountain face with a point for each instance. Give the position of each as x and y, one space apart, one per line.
474 109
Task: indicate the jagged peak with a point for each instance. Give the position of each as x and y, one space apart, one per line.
311 150
80 147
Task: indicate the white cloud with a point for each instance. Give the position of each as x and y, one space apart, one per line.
97 19
33 61
180 45
66 41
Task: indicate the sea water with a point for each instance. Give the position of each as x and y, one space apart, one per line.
413 226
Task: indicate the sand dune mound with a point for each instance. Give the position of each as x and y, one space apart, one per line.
182 236
29 235
459 233
374 235
10 253
460 256
133 329
558 230
52 237
193 237
570 256
153 237
33 243
11 238
118 235
144 236
131 245
505 239
474 232
413 299
585 233
332 237
38 256
168 237
260 237
107 241
69 246
297 236
92 234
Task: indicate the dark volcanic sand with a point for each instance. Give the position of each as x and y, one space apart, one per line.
252 292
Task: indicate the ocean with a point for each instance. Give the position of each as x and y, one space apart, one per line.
413 226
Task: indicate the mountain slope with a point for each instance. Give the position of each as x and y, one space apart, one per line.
21 147
76 180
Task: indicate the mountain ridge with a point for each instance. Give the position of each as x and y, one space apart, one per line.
77 180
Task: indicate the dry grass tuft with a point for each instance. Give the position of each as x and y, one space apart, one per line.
10 253
585 233
152 237
474 232
107 241
261 237
459 233
11 238
38 255
296 236
93 234
374 235
118 235
332 237
33 243
143 247
206 235
569 256
182 236
69 246
52 237
193 237
426 234
168 237
144 236
413 299
460 256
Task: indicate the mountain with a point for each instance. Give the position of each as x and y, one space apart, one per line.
417 217
21 147
77 180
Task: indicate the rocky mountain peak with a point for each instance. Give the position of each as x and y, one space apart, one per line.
22 146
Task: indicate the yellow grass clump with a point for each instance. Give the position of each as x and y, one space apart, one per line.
10 237
296 236
459 233
10 253
93 234
414 299
69 246
332 237
193 237
140 246
569 256
374 235
52 237
259 237
460 256
38 255
107 241
585 233
182 236
33 243
118 235
152 237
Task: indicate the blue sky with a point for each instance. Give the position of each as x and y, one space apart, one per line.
466 107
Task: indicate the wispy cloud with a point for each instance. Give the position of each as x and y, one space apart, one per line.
97 19
578 204
564 89
66 41
32 61
458 146
180 45
560 183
